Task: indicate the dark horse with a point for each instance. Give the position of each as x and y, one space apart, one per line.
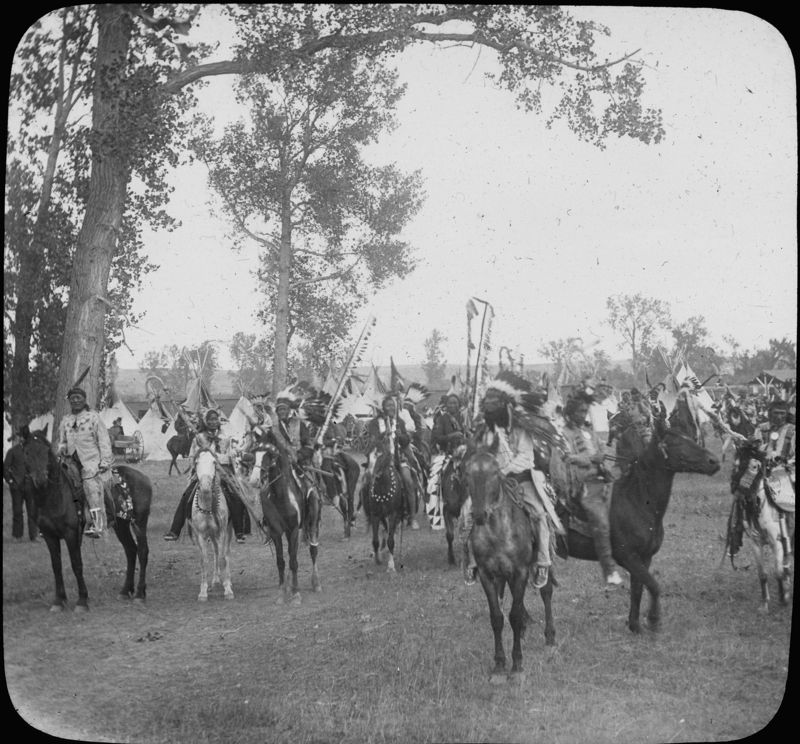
453 496
60 517
297 511
503 545
639 501
383 500
180 444
340 479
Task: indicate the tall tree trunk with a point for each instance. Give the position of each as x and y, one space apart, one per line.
280 365
97 240
30 265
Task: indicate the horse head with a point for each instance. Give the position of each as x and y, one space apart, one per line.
266 456
40 462
483 478
206 471
682 454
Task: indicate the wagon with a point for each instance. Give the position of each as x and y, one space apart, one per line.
131 448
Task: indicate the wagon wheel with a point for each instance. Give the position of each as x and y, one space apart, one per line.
135 449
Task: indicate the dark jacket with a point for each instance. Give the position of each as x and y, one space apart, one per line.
445 431
14 466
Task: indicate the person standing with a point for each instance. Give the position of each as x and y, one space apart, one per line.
14 475
83 440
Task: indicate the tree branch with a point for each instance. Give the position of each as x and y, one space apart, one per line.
335 275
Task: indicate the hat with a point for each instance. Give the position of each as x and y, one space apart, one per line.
76 391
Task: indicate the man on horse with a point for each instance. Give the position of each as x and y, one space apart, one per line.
84 443
511 412
294 439
388 424
590 481
447 434
208 438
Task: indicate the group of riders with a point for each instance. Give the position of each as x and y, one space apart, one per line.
570 454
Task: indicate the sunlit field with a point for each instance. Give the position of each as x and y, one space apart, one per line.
391 658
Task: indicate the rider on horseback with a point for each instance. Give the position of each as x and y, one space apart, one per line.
208 438
294 439
448 433
388 423
511 412
589 478
84 443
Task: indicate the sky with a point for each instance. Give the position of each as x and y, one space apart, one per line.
539 224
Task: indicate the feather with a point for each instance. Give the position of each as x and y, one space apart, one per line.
415 394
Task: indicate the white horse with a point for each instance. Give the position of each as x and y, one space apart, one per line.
769 530
210 523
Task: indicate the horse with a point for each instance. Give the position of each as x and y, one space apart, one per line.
639 501
180 444
210 522
454 494
768 528
280 492
503 545
340 479
60 517
383 501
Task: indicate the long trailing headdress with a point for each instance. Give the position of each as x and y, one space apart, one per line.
356 354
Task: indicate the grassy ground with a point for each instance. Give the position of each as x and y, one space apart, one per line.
381 658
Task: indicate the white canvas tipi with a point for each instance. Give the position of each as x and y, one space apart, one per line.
155 442
119 410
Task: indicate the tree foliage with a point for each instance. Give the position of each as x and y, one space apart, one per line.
638 319
143 66
294 181
435 363
178 366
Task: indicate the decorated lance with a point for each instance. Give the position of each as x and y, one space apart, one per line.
481 357
355 357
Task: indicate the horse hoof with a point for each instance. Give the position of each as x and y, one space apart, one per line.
81 608
229 595
139 600
202 598
498 678
296 600
517 678
124 596
56 608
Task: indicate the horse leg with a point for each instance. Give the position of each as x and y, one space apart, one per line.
641 577
312 520
498 675
392 526
277 541
123 532
139 527
449 531
517 618
54 546
546 593
225 560
375 543
294 541
73 540
201 541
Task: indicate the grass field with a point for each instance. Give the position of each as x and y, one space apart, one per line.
382 658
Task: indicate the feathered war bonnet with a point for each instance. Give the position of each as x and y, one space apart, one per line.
289 398
516 394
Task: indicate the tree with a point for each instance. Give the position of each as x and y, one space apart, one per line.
691 343
638 320
251 357
295 183
137 98
569 359
435 363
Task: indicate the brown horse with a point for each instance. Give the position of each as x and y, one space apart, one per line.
295 513
639 501
180 444
60 517
503 544
340 480
382 497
